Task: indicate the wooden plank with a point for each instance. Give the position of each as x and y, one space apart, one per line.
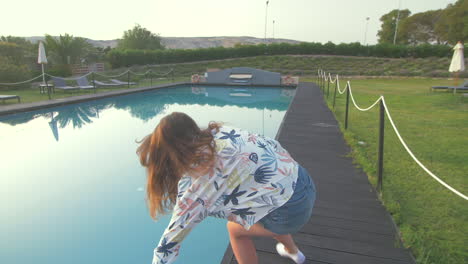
360 213
362 248
363 226
352 201
228 255
329 255
387 240
375 207
273 258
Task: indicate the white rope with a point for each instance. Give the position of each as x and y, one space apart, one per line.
415 159
338 86
163 74
112 76
139 74
16 83
151 71
354 102
70 78
330 78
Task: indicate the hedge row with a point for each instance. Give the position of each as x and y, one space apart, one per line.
125 58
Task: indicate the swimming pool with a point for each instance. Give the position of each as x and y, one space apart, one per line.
72 189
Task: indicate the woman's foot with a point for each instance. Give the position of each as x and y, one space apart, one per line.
298 257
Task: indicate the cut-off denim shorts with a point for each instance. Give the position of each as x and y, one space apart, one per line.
295 213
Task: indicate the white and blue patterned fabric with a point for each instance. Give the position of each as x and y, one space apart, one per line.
253 175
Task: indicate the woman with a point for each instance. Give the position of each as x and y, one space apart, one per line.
228 173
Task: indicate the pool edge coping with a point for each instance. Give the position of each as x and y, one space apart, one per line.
26 107
19 108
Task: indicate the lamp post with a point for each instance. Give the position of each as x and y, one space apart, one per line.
396 23
273 29
266 15
365 31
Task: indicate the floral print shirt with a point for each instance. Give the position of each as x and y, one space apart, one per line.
253 175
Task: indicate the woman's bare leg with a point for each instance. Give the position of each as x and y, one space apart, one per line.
243 246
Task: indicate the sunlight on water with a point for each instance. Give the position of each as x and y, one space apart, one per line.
72 189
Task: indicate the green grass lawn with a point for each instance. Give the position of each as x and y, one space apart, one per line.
32 94
433 221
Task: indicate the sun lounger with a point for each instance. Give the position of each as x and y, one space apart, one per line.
106 84
458 88
464 86
83 83
59 83
121 83
6 97
439 88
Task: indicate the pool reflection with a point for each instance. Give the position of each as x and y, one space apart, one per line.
82 199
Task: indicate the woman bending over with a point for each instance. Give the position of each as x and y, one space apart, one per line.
228 173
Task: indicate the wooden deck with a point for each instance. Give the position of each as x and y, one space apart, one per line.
348 224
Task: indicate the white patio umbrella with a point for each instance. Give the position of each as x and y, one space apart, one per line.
458 61
42 59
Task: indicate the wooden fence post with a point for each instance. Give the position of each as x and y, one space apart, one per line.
128 79
381 146
347 107
94 83
334 95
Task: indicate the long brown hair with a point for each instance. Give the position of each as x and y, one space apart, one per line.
177 146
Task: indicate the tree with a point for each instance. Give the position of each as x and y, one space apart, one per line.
67 49
453 24
13 51
27 49
17 55
13 66
420 28
140 38
18 40
387 32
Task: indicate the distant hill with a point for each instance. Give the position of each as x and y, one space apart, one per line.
191 42
209 42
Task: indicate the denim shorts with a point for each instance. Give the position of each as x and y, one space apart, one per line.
295 213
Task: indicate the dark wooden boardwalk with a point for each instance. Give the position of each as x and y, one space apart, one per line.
348 224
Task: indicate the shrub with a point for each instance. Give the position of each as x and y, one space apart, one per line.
126 58
60 70
439 73
13 72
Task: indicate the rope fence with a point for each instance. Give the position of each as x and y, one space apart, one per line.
323 78
96 80
113 76
90 73
70 78
23 82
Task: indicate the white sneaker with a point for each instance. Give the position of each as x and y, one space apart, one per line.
299 258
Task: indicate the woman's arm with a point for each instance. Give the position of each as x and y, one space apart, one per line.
186 215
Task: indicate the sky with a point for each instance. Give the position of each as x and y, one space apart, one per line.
305 20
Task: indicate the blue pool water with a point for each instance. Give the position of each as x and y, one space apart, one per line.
72 189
